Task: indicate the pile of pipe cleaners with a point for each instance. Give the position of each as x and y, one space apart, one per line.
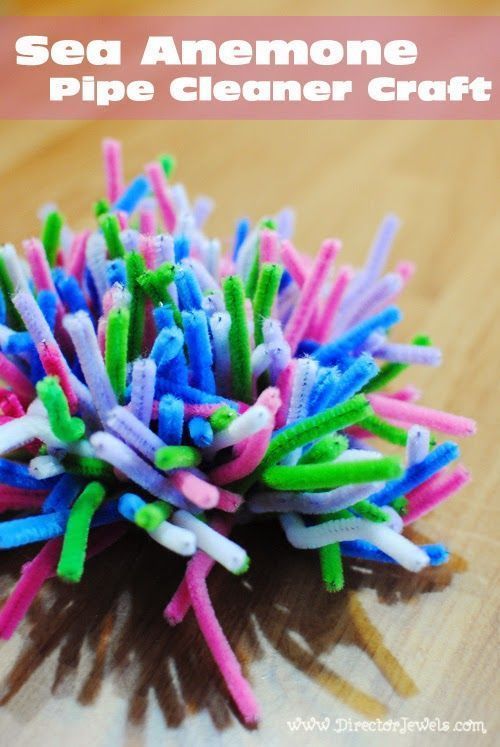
152 379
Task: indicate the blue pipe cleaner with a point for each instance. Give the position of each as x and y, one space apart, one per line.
181 248
170 419
133 194
240 234
47 302
418 473
359 373
201 432
62 495
71 294
116 272
329 354
188 288
437 554
18 476
199 350
129 504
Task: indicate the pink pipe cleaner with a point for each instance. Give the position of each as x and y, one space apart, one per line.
197 491
268 246
42 567
122 219
357 432
326 320
218 644
11 375
77 257
10 404
426 497
160 188
405 394
294 263
180 604
112 154
228 501
8 491
147 222
55 365
408 413
148 251
406 269
20 502
248 459
306 303
40 268
298 268
33 576
252 449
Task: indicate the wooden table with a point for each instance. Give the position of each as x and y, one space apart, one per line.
96 664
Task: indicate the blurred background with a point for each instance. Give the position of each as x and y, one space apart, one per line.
110 670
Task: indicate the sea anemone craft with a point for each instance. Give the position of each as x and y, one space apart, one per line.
154 381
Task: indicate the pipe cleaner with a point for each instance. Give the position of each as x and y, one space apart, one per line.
155 383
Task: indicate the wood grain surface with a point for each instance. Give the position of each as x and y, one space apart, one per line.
96 664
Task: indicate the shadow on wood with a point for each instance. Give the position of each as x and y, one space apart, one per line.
115 613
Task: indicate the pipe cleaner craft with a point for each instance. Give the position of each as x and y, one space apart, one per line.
153 380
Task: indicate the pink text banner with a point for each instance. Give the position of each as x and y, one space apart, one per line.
236 67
